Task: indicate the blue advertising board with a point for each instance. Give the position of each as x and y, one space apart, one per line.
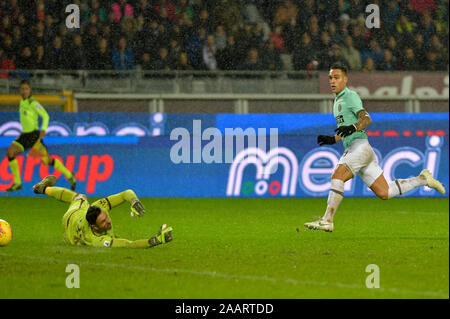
224 155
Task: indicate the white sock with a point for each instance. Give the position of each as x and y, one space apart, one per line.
403 186
334 199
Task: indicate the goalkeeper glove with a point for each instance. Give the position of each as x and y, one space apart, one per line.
137 209
325 139
345 131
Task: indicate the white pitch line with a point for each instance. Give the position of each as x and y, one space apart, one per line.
243 277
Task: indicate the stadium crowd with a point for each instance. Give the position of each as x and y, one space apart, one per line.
223 35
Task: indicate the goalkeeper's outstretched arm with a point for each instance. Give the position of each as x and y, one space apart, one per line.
126 196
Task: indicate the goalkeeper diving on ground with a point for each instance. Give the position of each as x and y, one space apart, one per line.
90 224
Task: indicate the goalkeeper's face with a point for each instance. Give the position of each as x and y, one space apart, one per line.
338 80
103 222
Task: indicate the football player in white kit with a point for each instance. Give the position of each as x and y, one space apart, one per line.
358 158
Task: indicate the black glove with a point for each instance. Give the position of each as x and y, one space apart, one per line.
326 140
345 131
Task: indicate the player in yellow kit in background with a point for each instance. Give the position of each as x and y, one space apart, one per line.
30 110
90 225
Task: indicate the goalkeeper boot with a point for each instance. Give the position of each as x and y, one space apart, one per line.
50 180
14 187
431 182
320 225
73 182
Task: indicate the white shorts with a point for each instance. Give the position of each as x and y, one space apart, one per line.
359 158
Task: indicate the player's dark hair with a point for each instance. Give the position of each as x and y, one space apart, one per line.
339 66
92 214
25 82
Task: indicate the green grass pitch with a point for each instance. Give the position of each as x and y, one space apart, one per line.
235 248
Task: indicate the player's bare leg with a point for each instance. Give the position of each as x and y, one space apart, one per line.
402 186
339 177
13 150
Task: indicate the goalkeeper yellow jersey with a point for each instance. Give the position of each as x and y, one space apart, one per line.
77 230
30 110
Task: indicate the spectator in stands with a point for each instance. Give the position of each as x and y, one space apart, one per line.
121 9
409 61
390 16
292 33
184 7
351 55
56 55
369 65
122 56
144 9
326 12
420 50
55 8
388 63
185 28
95 9
358 39
426 27
344 25
228 13
230 57
19 38
146 64
174 51
336 55
393 47
40 62
183 63
304 53
129 27
102 59
285 12
356 8
342 7
13 11
434 61
209 52
307 10
204 20
404 30
221 37
49 29
163 62
278 39
195 47
253 62
334 36
76 56
40 10
271 56
25 61
169 10
324 54
6 63
314 32
374 51
442 51
5 27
